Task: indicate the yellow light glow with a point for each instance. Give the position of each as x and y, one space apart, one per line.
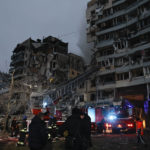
144 124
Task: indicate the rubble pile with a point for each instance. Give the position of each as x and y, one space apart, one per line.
4 89
4 80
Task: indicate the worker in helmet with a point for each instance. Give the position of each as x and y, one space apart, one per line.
139 130
23 132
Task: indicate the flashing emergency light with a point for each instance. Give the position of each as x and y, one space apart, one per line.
112 117
130 125
108 125
91 113
44 104
119 126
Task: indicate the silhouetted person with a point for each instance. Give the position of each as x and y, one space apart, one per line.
14 127
72 128
101 126
85 130
37 133
8 123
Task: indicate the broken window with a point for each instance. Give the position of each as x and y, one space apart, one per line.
81 98
54 64
120 20
106 52
123 76
137 72
118 7
93 83
106 94
93 97
132 15
147 70
121 61
136 58
102 2
81 85
107 79
146 55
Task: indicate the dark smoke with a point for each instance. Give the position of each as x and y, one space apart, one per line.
82 43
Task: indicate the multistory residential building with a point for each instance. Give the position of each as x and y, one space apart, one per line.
40 65
120 31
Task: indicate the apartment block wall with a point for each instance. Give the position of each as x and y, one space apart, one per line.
121 45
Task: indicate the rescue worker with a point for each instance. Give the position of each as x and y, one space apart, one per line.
85 131
52 127
72 131
23 132
38 135
139 130
101 126
13 127
52 120
8 123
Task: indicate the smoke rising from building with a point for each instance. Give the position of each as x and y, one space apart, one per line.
82 43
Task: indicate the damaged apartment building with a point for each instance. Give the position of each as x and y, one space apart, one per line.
4 91
41 65
120 31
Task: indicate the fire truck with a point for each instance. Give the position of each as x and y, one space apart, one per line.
111 120
42 102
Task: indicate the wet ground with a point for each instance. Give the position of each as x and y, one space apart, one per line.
100 142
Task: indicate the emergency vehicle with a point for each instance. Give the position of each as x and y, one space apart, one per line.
120 123
115 119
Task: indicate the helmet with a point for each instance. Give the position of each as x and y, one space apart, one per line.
24 117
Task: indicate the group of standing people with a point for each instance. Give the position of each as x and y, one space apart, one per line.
76 129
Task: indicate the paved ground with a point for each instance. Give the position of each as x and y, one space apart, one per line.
100 142
116 142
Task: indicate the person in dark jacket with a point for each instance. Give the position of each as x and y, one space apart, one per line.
8 123
37 133
72 126
14 127
86 130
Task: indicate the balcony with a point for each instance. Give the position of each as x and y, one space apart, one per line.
118 27
117 2
124 11
128 52
108 85
105 43
105 71
141 32
18 60
135 81
145 14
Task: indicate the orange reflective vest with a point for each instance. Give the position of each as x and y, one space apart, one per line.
139 125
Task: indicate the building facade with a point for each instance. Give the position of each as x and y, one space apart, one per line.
120 30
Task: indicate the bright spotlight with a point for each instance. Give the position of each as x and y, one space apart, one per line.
112 117
44 104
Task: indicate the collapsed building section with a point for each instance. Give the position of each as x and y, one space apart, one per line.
122 48
39 65
4 91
